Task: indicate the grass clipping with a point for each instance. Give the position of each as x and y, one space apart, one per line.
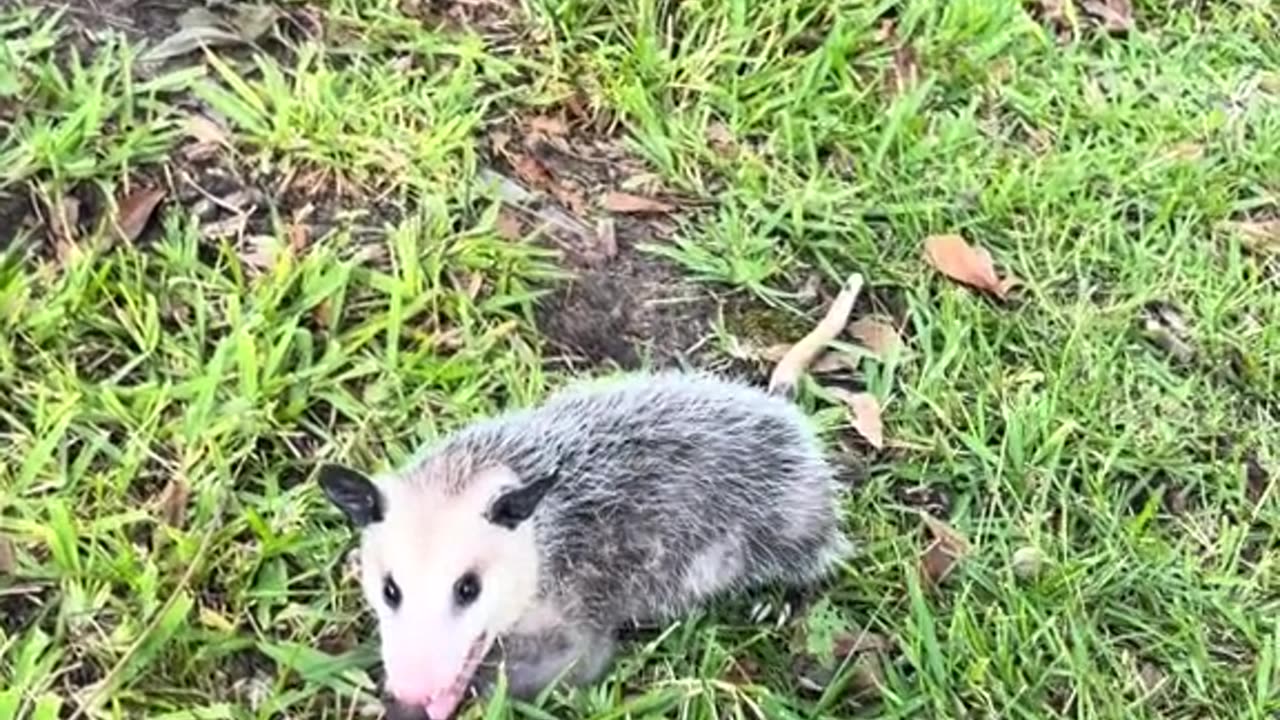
786 374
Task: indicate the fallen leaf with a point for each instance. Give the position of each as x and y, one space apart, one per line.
8 558
943 554
622 202
509 225
531 170
1261 236
1164 325
877 336
172 503
799 357
1116 15
569 197
865 410
548 126
965 263
134 210
1027 562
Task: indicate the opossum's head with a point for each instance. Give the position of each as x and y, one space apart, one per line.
448 567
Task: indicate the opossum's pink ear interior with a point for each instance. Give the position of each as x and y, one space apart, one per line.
354 494
514 506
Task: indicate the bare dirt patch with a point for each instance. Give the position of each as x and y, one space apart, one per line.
562 174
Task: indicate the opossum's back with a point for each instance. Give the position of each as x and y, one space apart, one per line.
689 447
688 477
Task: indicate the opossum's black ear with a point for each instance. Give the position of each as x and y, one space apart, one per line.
354 494
514 506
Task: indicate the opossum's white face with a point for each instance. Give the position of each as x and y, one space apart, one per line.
445 573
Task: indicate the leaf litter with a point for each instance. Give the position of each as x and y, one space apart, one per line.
968 264
624 202
943 554
865 412
877 335
134 210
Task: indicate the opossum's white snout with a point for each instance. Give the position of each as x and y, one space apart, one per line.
439 694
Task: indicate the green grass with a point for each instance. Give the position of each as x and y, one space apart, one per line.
1098 170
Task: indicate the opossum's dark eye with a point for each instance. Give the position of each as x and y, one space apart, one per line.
466 589
391 592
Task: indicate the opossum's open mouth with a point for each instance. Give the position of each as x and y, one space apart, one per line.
443 704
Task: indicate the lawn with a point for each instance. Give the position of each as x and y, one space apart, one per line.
242 240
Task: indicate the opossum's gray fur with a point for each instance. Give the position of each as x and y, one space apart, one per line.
669 488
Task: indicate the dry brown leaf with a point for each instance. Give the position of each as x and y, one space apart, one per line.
531 170
1262 236
547 125
865 415
172 503
877 336
786 374
8 558
509 225
623 202
1116 15
966 263
936 563
134 210
942 555
570 197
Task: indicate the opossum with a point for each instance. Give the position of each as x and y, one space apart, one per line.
525 540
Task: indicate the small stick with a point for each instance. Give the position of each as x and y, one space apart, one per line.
786 374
